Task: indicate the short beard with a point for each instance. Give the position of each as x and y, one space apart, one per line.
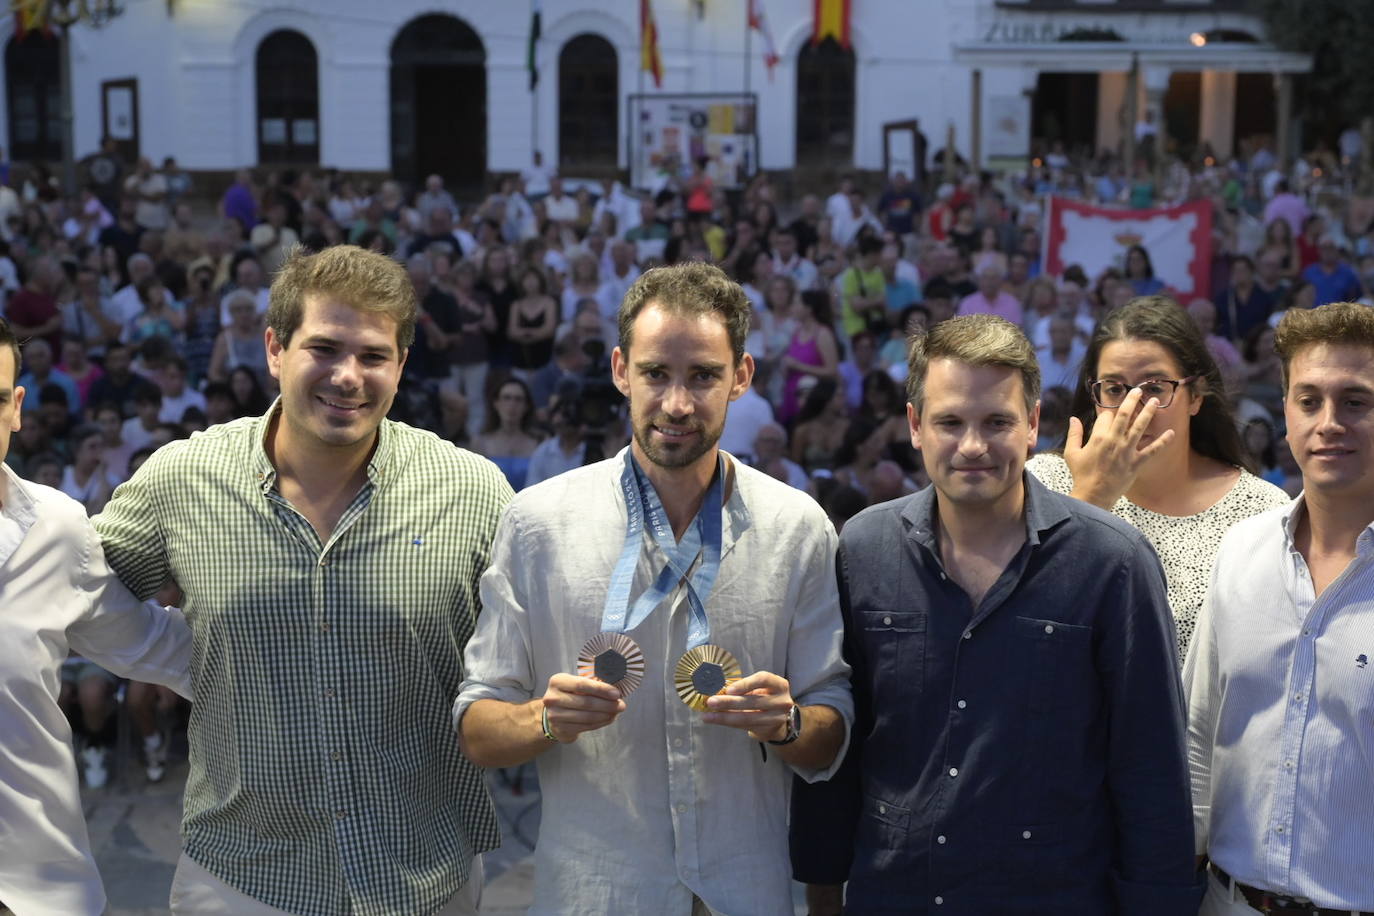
672 459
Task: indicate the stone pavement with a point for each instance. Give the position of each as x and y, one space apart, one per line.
134 828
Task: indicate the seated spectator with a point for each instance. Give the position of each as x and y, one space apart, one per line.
565 449
1260 439
86 479
177 395
40 372
1204 315
250 399
240 343
115 452
508 436
119 383
1243 304
1060 359
139 429
1140 272
161 315
1331 277
821 426
991 299
811 353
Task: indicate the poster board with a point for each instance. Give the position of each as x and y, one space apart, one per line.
670 132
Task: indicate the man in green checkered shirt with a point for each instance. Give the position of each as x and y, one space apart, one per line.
330 561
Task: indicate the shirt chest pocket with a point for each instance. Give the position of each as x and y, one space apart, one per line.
896 643
1058 661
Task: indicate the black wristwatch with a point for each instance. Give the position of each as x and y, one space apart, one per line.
793 726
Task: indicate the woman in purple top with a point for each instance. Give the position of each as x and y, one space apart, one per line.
812 352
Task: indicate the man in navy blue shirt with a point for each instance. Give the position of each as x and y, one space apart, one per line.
1018 746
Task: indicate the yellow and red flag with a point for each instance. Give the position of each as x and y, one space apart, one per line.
831 21
29 15
649 58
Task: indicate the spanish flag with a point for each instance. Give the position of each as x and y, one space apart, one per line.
831 21
29 15
649 58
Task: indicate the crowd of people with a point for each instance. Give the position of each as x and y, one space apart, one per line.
143 317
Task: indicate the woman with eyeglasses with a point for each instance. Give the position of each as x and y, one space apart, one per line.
1152 439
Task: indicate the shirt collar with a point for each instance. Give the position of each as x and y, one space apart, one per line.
15 500
1042 512
266 472
1364 544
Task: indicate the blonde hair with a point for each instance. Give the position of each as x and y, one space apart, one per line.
361 279
1334 323
977 340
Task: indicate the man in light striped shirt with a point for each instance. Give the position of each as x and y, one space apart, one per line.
1281 692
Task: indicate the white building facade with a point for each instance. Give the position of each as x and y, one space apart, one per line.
411 86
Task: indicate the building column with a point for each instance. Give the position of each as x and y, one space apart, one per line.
1111 113
1217 113
1283 98
976 126
1155 82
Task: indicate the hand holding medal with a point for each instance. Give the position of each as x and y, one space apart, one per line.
760 704
573 705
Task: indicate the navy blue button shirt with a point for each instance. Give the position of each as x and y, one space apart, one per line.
1025 756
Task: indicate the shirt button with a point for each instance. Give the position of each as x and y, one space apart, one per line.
677 742
1049 628
340 814
887 621
1298 697
1025 834
940 839
882 809
337 755
1288 764
953 771
939 900
942 577
681 809
324 626
329 693
1278 829
961 704
968 634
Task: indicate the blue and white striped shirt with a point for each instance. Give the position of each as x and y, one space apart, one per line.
1281 717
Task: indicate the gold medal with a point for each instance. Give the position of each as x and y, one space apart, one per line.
704 672
613 658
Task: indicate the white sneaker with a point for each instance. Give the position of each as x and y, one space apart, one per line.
155 758
93 766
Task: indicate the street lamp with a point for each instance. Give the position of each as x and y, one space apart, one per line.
64 14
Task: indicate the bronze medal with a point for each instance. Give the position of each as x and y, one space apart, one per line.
612 658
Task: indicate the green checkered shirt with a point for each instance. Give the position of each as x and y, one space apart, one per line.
325 776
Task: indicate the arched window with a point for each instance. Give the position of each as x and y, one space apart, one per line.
825 105
33 80
439 102
288 99
588 104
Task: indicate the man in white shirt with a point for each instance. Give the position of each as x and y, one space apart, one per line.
1280 689
1061 357
748 414
559 207
614 200
537 178
125 305
177 396
845 226
56 594
617 282
786 259
653 805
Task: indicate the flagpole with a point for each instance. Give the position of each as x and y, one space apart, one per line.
748 34
534 88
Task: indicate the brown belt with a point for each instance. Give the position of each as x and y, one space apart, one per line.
1277 904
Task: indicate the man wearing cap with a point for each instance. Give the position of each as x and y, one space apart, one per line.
1332 278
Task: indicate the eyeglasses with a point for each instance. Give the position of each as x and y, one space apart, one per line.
1111 393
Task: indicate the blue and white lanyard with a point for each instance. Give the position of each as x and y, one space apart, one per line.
643 508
